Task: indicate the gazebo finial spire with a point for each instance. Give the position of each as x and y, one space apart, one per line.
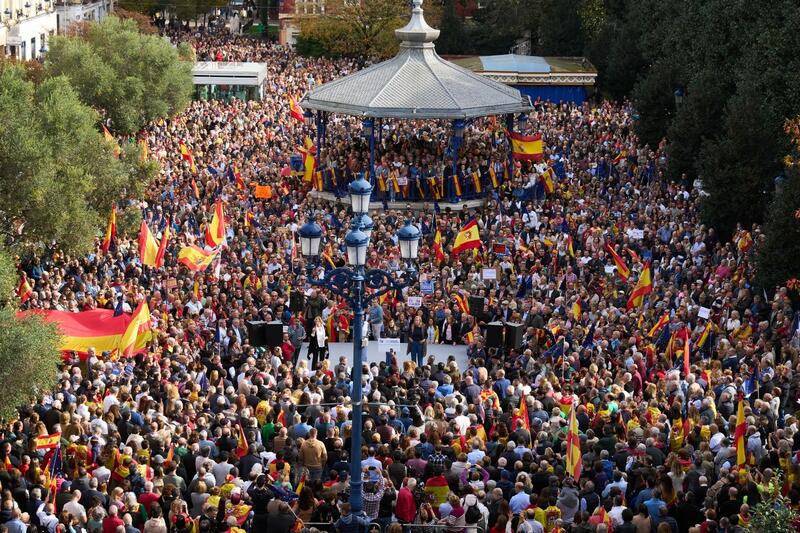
416 33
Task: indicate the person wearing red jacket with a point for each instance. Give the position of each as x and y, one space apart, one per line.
406 507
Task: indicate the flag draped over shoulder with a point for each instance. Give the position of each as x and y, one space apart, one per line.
573 446
437 247
467 239
242 447
740 434
24 290
195 258
526 147
663 321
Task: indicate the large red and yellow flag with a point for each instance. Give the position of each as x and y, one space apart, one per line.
573 446
523 413
215 232
467 239
309 161
622 269
186 154
98 329
295 110
462 303
195 258
547 180
526 147
740 434
24 290
644 286
162 246
111 231
148 247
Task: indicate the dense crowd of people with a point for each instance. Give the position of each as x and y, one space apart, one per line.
153 443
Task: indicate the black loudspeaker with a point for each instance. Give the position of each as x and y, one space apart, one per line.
273 333
494 335
257 332
297 300
514 333
476 304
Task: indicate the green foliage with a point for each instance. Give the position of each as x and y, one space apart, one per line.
560 32
774 514
57 174
129 221
131 77
452 34
29 359
29 354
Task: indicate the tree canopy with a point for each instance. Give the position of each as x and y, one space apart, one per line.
132 78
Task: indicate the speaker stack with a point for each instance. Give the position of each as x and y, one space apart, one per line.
513 335
262 333
495 335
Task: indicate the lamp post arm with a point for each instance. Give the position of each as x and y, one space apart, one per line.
380 282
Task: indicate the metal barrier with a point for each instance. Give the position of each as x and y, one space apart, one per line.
376 526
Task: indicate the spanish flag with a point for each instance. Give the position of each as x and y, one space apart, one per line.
570 249
467 239
242 447
162 246
526 147
493 176
98 329
523 413
395 183
148 247
24 290
547 179
195 258
112 141
381 183
456 184
663 321
644 286
704 335
437 247
476 180
46 442
622 269
195 190
215 232
463 304
740 434
138 332
111 231
301 484
186 154
573 446
577 309
170 454
281 418
144 150
295 110
686 365
309 161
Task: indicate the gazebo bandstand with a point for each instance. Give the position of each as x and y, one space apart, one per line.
415 84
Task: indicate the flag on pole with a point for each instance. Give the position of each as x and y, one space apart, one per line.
523 413
186 154
301 483
577 309
24 290
215 232
687 336
437 247
570 249
171 453
547 180
622 269
112 141
663 321
295 110
138 332
195 258
462 303
740 434
110 238
573 446
195 190
47 442
242 448
162 246
148 247
526 147
644 286
704 335
467 239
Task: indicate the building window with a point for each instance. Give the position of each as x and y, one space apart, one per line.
33 47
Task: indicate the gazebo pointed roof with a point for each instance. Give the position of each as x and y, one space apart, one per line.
416 83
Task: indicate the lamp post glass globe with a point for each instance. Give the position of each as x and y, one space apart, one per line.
310 239
365 224
409 236
360 192
357 243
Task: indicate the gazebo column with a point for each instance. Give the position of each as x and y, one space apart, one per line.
318 123
324 127
509 129
368 125
458 137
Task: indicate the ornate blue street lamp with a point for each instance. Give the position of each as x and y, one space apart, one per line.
350 283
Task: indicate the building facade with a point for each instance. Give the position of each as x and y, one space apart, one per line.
26 27
71 11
